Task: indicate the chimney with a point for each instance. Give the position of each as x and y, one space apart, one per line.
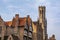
17 16
1 18
28 16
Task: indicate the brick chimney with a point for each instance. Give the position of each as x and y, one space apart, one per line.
16 16
28 16
1 18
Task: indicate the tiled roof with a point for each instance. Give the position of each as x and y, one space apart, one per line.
22 22
8 23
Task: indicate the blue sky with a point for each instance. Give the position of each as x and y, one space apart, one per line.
8 8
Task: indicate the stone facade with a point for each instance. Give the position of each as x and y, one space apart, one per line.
43 21
20 27
2 29
23 28
40 26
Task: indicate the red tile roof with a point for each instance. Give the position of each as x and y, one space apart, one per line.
8 23
22 22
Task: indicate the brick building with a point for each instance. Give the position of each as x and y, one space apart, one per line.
19 27
41 25
23 28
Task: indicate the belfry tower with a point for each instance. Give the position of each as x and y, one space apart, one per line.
43 22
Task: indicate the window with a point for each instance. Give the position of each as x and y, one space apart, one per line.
30 34
0 38
25 38
0 29
10 39
30 38
39 29
30 28
12 30
25 32
26 27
